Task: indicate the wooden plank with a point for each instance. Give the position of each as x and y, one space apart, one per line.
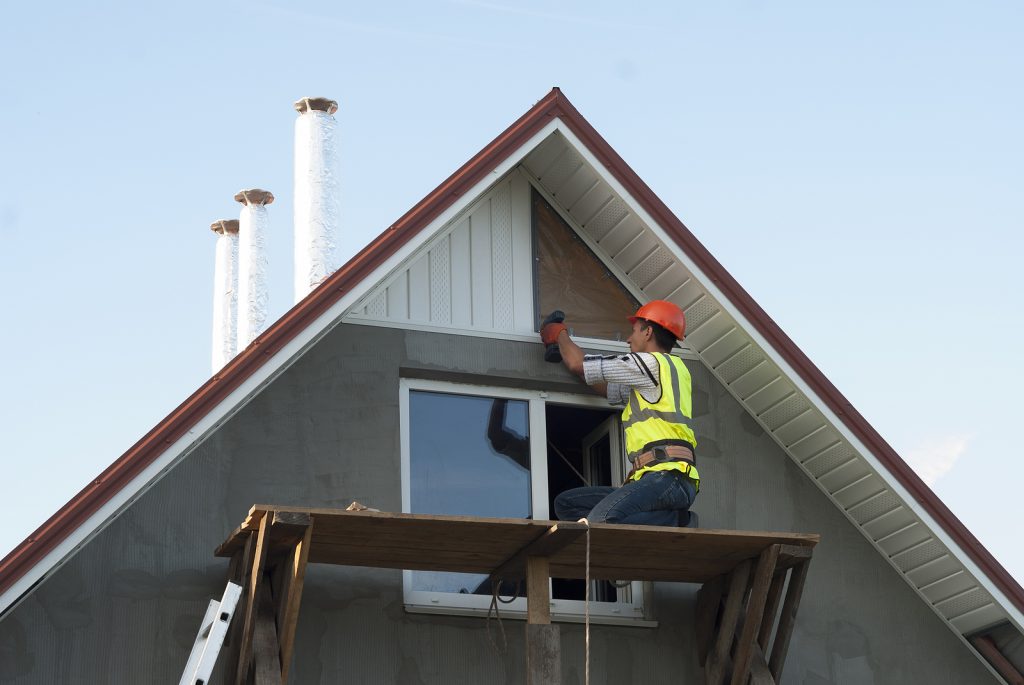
788 618
709 600
291 573
755 612
543 654
543 645
547 543
252 589
538 595
759 672
266 647
714 672
771 609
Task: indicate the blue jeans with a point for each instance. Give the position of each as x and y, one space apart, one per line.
655 500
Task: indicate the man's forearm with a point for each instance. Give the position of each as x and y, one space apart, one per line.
572 357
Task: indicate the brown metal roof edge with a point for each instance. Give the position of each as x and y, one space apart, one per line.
59 526
144 452
788 349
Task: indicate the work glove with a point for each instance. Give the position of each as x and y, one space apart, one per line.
550 329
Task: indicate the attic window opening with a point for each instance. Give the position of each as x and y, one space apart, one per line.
570 277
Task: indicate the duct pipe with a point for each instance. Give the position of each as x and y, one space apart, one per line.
252 264
317 204
225 293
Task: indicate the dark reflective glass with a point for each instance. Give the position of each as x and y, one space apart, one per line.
468 456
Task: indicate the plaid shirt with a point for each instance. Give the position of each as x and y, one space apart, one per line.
623 373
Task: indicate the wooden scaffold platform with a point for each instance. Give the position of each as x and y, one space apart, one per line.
751 581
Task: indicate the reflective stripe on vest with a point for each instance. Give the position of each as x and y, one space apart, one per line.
645 422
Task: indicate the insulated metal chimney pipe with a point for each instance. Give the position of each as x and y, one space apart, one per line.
225 293
252 259
317 204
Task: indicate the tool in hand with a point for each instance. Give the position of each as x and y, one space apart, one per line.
551 352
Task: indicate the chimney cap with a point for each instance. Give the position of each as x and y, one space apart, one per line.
225 226
254 196
304 105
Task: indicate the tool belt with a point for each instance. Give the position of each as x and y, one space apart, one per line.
663 453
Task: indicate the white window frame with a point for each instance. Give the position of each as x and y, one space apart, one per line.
631 612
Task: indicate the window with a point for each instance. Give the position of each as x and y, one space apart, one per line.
504 452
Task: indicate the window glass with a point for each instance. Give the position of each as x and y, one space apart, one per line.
469 456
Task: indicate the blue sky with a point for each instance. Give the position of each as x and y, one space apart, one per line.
857 168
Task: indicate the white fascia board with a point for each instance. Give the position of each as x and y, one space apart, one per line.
1015 615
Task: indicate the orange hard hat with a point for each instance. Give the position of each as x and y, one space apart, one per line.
666 314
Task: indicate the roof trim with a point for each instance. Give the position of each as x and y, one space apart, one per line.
118 475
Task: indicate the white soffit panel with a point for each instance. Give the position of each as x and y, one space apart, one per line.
625 237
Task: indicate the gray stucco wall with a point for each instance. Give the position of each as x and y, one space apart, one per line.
126 607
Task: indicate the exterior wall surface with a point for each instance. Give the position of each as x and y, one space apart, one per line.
126 607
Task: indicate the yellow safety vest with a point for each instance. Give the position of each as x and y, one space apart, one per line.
662 422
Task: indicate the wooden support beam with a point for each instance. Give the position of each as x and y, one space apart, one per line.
714 672
288 577
759 672
788 618
538 596
755 612
548 543
709 601
253 583
543 643
771 610
266 647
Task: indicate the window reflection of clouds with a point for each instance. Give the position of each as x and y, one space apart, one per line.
455 469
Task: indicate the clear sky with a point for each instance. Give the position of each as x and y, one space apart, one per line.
858 167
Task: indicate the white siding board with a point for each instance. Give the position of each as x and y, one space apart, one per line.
441 282
590 203
948 587
885 524
814 444
575 186
914 534
667 282
419 289
799 427
524 319
724 348
935 571
398 297
462 276
754 380
985 617
480 261
501 257
621 235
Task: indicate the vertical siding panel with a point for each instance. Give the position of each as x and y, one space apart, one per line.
461 276
522 255
419 289
398 297
378 306
440 282
480 254
501 257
